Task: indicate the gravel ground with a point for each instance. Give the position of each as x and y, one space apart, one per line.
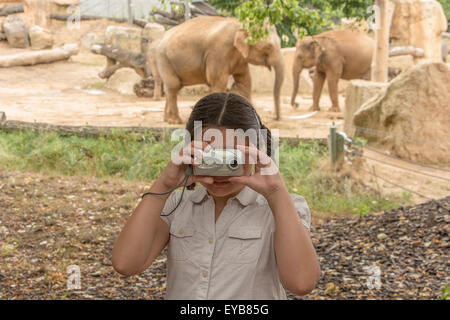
48 223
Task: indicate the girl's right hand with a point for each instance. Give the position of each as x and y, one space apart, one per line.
175 171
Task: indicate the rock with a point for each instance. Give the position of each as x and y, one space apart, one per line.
124 38
40 38
16 32
399 64
420 24
410 118
123 81
358 92
381 236
152 31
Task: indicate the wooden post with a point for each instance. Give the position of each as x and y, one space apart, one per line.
381 54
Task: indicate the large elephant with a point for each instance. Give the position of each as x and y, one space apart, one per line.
336 54
209 50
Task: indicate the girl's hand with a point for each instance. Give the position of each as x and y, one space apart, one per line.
267 179
175 171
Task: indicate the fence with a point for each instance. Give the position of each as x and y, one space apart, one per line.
118 8
346 150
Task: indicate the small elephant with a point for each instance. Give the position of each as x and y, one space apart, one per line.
336 54
209 50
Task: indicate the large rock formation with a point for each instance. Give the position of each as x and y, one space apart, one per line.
411 117
16 32
419 23
358 92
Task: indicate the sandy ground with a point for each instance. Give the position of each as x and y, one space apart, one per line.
67 93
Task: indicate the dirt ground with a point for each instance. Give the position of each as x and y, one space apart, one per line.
48 223
71 93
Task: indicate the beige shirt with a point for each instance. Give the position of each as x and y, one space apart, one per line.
232 258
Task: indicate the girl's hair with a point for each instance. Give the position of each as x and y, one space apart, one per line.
231 111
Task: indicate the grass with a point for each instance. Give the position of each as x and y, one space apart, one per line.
126 156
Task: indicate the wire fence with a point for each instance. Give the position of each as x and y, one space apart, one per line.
353 151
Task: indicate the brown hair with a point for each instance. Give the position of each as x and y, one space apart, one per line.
228 110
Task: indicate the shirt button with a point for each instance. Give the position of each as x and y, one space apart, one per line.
210 240
205 274
181 231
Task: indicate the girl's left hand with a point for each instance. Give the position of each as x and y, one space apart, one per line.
267 179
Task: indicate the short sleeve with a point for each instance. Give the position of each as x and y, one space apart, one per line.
170 204
302 210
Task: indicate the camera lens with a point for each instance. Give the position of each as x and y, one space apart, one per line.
233 165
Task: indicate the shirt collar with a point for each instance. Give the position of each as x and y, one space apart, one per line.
246 196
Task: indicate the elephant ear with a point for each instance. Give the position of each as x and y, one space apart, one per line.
240 44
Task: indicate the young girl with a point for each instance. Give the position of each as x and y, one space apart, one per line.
240 237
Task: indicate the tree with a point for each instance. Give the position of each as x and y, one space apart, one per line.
292 18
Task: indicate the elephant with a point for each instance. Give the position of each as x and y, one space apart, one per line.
209 49
336 54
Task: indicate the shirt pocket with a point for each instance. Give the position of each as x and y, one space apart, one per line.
180 242
244 244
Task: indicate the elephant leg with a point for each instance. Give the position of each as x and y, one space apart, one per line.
172 85
333 81
319 80
157 90
243 83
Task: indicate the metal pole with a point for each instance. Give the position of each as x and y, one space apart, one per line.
333 144
130 12
187 10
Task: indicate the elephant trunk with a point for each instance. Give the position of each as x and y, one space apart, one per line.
296 71
279 78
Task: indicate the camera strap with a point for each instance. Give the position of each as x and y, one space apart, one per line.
183 183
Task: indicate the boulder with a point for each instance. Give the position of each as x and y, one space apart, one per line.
152 31
123 81
16 32
419 23
358 92
124 38
399 64
40 38
410 118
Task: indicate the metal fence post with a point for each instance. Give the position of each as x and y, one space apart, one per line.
333 144
130 12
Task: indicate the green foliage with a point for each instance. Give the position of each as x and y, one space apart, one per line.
292 18
446 6
128 156
445 292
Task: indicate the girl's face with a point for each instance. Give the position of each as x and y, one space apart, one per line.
221 187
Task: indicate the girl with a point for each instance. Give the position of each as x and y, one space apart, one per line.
240 237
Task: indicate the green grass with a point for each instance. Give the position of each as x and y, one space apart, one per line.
126 156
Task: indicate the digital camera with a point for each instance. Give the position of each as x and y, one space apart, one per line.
221 163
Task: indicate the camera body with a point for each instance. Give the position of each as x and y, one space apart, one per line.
221 163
